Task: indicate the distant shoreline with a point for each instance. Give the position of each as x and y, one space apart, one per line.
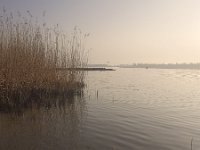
86 69
163 66
193 66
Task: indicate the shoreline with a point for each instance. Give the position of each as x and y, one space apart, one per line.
85 69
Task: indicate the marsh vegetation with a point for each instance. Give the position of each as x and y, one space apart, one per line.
30 53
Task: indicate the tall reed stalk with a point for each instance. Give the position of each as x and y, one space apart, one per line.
30 54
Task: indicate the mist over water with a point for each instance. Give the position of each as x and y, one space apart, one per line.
125 109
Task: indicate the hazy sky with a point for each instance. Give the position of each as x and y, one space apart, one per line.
126 31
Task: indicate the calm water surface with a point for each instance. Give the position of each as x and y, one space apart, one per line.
142 109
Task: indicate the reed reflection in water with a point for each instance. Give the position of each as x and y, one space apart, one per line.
56 125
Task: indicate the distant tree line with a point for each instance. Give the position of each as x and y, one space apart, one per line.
162 66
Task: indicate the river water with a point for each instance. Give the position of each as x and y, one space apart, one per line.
126 109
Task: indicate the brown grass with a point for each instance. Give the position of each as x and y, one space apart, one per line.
29 56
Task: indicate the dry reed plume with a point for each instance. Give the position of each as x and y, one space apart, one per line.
30 55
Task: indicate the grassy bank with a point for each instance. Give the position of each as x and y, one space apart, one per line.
30 52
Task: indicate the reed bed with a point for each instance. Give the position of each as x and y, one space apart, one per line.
30 55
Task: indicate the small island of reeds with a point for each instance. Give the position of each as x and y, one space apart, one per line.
30 53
